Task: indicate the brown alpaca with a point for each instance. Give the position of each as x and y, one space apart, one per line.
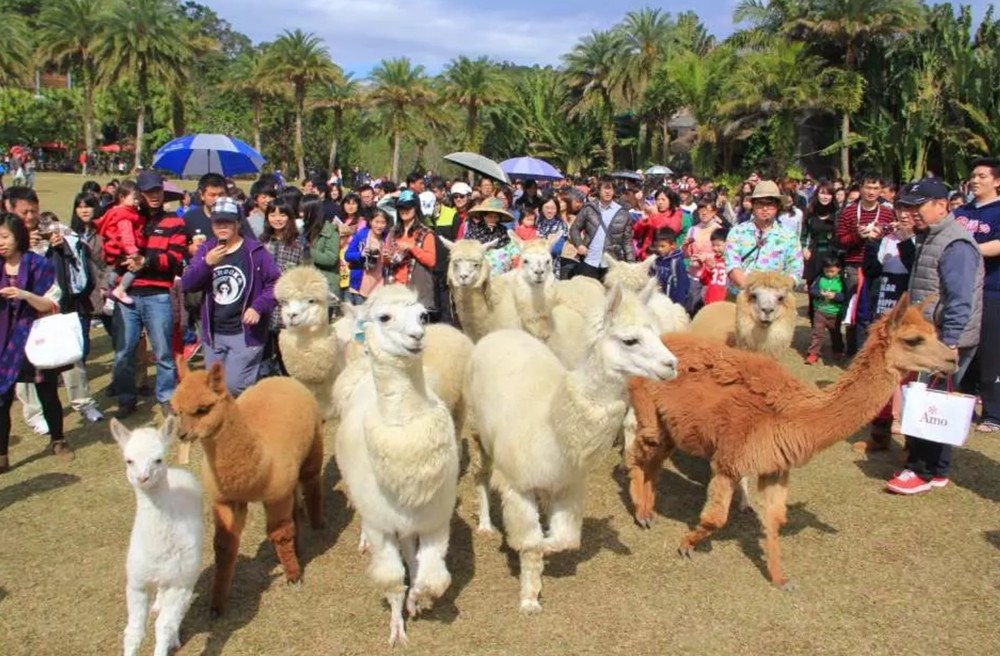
748 416
259 447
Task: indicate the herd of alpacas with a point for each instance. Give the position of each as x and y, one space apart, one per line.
542 379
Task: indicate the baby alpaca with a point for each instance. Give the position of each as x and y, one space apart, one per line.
164 551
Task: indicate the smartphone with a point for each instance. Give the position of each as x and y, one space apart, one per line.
223 242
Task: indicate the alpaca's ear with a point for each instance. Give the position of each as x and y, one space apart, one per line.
182 369
517 240
648 263
217 378
646 295
120 433
930 300
608 260
491 244
350 311
613 304
168 430
899 310
447 243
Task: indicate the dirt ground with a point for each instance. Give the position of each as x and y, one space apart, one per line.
877 574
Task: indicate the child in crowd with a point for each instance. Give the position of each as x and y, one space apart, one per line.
713 271
669 267
827 292
121 229
525 229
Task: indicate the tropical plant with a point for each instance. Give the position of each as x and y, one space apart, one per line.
15 55
473 84
339 96
402 93
301 59
138 40
249 76
595 80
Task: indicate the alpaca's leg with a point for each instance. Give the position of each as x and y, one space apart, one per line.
774 495
481 466
137 599
311 479
387 572
229 521
524 534
714 515
408 548
744 496
644 468
174 604
281 533
432 577
565 520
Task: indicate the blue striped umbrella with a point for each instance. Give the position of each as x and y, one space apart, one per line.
197 154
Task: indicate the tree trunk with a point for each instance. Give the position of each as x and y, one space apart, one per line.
609 136
88 113
647 144
338 121
300 157
845 151
396 139
140 121
177 116
257 105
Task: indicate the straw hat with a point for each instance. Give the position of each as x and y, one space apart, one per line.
492 206
766 189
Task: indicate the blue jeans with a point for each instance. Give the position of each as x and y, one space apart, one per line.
154 313
241 363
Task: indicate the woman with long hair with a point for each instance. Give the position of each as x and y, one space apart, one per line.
322 238
820 226
411 251
366 257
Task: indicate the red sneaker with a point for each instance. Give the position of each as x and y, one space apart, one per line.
906 482
190 350
940 481
812 358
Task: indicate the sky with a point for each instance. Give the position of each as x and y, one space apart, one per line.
360 33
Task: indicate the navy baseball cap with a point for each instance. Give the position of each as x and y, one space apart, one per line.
148 181
918 193
225 209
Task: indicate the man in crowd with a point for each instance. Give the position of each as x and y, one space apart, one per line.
981 218
415 183
859 224
367 195
155 269
602 227
198 222
762 244
946 269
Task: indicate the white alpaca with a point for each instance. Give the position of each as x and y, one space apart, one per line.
483 303
164 551
397 452
310 349
670 317
542 427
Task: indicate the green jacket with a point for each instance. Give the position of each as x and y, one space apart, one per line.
325 254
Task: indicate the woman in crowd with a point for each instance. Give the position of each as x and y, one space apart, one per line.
322 239
366 257
664 213
411 251
26 283
820 225
86 215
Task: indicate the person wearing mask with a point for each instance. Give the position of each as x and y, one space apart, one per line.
156 267
981 218
26 283
762 244
602 227
947 272
236 275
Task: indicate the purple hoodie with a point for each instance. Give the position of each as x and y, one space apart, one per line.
264 273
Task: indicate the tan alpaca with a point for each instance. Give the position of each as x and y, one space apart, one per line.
749 416
259 447
762 319
482 302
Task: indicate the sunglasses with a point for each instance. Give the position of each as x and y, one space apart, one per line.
460 195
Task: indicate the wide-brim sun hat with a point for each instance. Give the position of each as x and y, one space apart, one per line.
766 189
492 206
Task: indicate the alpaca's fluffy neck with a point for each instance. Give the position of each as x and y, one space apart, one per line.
534 305
402 390
858 395
233 453
588 409
474 306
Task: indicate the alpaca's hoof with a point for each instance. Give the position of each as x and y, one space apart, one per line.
417 601
788 586
644 521
294 576
530 607
397 633
746 508
363 545
686 551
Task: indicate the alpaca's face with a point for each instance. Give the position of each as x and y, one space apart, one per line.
467 266
914 345
767 304
397 329
630 345
632 277
144 451
536 265
198 403
302 312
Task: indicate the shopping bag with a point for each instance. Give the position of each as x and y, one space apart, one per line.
937 415
55 341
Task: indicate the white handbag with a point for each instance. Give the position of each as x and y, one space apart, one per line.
55 341
937 415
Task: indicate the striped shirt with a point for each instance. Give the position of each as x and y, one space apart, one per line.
166 247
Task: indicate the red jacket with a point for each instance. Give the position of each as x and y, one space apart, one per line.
647 226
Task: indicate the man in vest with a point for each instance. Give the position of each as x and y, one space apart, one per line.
947 267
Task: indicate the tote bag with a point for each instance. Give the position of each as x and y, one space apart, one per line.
936 415
55 341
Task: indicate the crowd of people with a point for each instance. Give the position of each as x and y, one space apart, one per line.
201 275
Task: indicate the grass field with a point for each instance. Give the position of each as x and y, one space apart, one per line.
877 574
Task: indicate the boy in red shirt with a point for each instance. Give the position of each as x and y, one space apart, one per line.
713 272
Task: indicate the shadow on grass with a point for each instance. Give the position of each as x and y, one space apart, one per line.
596 536
37 485
461 561
3 594
993 537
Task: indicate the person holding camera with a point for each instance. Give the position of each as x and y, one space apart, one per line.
237 275
365 256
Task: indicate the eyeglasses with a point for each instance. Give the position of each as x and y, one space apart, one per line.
460 195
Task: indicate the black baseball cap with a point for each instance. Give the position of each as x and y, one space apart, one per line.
918 193
148 181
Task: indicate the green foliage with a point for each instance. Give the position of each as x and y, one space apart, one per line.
27 119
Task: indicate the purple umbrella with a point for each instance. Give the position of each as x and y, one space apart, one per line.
530 167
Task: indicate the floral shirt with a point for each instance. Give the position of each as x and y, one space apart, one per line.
777 250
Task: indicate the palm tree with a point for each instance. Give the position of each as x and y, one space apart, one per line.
302 59
69 34
595 80
249 76
138 40
15 55
339 96
474 84
646 35
401 92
